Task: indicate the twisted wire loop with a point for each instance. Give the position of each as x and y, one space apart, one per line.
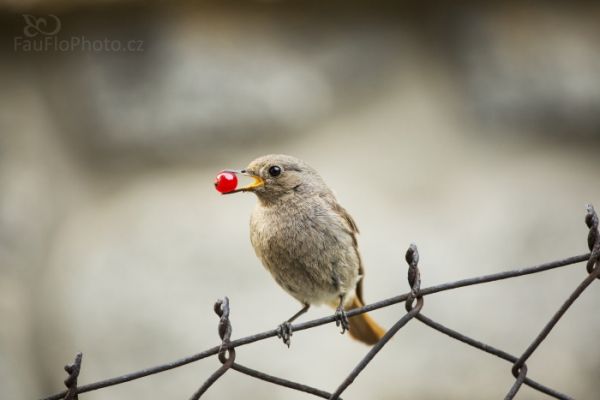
412 257
591 220
222 310
413 304
414 280
71 380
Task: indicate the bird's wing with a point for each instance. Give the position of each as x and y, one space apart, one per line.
353 231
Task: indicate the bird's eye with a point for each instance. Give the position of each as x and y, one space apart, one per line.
275 170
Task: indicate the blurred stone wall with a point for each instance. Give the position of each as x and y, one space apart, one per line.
469 130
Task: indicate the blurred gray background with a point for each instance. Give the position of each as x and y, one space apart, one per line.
470 130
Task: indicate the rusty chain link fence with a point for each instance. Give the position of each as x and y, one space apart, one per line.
414 301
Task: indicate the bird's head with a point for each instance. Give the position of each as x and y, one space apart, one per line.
277 176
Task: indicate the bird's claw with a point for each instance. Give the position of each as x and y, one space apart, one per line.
285 332
341 319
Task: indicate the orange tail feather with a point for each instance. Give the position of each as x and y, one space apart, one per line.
362 326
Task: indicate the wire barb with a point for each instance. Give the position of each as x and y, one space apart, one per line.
591 220
222 310
413 303
414 276
71 381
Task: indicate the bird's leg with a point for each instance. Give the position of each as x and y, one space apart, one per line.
284 331
340 316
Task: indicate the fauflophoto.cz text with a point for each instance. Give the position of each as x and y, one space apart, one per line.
75 43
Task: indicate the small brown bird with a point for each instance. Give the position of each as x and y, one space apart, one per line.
307 241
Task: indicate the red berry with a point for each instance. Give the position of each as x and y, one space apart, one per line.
226 181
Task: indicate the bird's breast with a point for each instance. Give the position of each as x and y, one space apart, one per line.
296 232
308 251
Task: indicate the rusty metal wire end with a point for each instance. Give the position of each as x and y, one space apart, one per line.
414 275
591 220
222 310
414 278
71 381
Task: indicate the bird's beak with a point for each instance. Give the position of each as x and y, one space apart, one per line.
258 182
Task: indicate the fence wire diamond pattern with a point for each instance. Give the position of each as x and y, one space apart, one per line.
414 302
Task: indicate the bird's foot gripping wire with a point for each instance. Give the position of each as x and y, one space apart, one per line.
285 332
341 319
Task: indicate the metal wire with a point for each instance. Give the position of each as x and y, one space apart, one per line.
414 301
71 381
